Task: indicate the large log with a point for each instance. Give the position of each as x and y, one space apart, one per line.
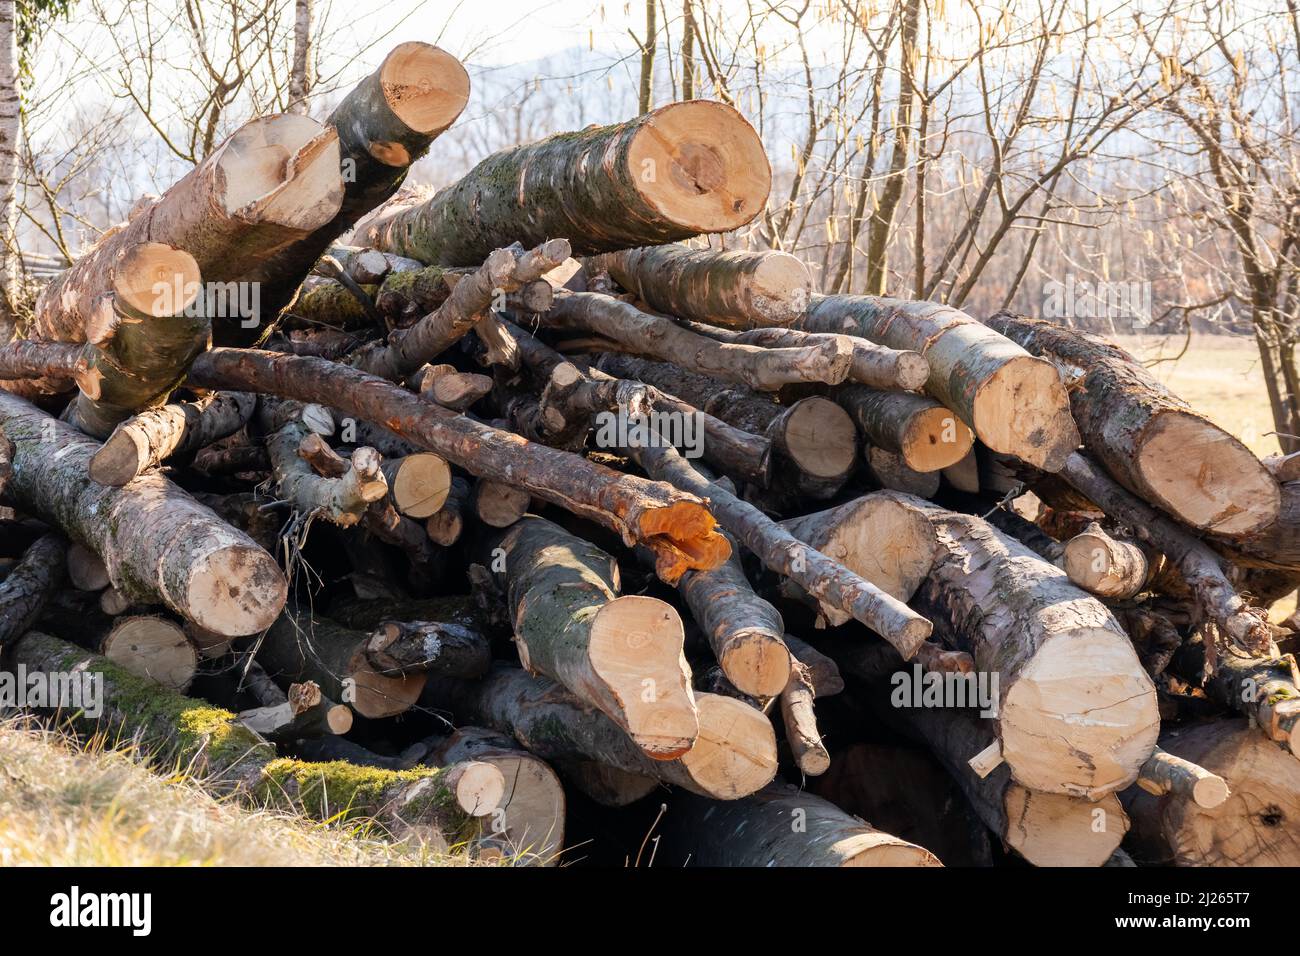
1077 713
735 754
823 359
1015 402
439 806
736 289
778 826
883 538
676 526
275 181
681 170
924 434
621 655
1149 439
1258 824
159 545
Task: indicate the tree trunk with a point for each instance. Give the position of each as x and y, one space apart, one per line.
684 169
150 437
736 289
735 754
158 544
918 429
1015 402
767 369
29 584
1258 825
434 805
778 826
300 73
744 631
1076 712
10 137
648 47
621 655
1148 438
800 721
883 538
677 527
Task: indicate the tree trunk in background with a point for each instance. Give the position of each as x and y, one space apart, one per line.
10 130
648 58
1277 353
300 78
688 51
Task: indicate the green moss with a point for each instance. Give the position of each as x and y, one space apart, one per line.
345 790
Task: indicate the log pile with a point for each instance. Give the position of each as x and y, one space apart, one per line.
472 538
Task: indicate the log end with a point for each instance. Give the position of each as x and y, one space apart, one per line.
683 537
425 87
735 754
421 485
122 457
152 647
1082 717
911 370
1023 409
477 787
876 849
155 280
635 649
284 170
756 661
935 439
780 289
233 591
1206 477
338 719
700 166
820 437
1052 829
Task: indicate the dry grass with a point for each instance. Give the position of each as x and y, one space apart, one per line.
67 804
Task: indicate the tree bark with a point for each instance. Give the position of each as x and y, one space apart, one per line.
1015 402
29 584
736 289
1076 714
801 732
10 137
300 73
621 655
681 170
1150 440
677 527
927 436
446 525
158 544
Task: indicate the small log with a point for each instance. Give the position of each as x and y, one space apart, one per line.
607 785
1257 825
676 526
964 475
1284 468
343 495
1015 402
737 289
528 825
418 484
158 544
883 538
707 173
447 648
822 670
27 588
800 722
1086 734
86 572
621 655
114 602
450 388
445 525
734 755
152 647
1106 566
150 437
55 367
1164 773
919 430
779 826
366 266
437 806
298 648
767 369
1150 440
497 504
744 631
300 712
891 473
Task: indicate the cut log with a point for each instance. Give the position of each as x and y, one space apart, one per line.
444 526
606 785
86 572
528 825
158 544
1258 824
50 367
621 655
1164 773
114 602
1276 547
826 359
1149 439
300 712
1104 565
1015 402
341 498
298 648
734 755
681 170
148 438
450 388
739 290
822 577
154 648
274 181
676 526
884 538
418 484
1284 468
437 806
366 266
1077 713
778 826
891 473
822 670
451 649
1200 567
499 505
800 722
922 432
744 631
964 475
29 584
814 434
